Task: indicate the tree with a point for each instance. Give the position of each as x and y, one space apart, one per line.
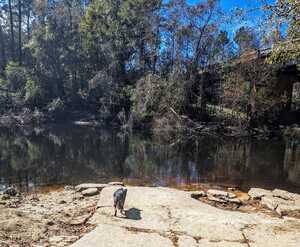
12 33
55 49
2 50
92 54
246 39
288 11
20 31
116 32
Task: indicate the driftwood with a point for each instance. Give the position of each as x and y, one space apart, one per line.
194 129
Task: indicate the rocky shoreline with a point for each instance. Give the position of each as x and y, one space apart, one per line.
277 202
62 217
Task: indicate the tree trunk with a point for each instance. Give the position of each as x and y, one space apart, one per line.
289 93
2 47
156 47
28 23
12 35
142 55
20 30
252 102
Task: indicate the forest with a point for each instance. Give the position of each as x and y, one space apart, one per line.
150 63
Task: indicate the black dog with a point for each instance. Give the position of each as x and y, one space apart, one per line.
119 200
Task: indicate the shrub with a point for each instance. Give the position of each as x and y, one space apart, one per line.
16 77
3 82
56 108
111 99
38 115
56 105
33 95
156 96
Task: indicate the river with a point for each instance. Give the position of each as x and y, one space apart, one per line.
66 154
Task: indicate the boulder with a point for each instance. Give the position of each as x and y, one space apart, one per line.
69 187
11 191
198 194
82 187
222 194
269 202
216 199
90 192
257 193
116 183
284 194
235 200
273 202
290 210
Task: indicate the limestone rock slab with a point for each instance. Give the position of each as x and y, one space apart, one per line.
169 217
258 193
221 193
90 192
116 236
86 186
285 195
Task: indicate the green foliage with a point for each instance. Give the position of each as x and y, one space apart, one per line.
289 12
105 31
235 92
113 31
110 98
3 82
156 96
56 105
284 53
246 39
34 95
16 77
269 107
56 108
98 55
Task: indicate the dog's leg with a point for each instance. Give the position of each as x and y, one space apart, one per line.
115 211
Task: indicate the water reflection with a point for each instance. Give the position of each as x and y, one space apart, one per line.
292 161
71 155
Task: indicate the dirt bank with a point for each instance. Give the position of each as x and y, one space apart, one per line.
45 219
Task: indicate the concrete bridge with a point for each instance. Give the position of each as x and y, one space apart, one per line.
286 77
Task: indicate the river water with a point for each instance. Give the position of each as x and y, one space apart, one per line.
66 154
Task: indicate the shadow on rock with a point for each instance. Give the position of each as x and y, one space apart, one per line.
133 214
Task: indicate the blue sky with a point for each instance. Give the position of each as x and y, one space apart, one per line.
230 4
252 17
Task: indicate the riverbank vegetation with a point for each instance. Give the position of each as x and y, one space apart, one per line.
150 64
